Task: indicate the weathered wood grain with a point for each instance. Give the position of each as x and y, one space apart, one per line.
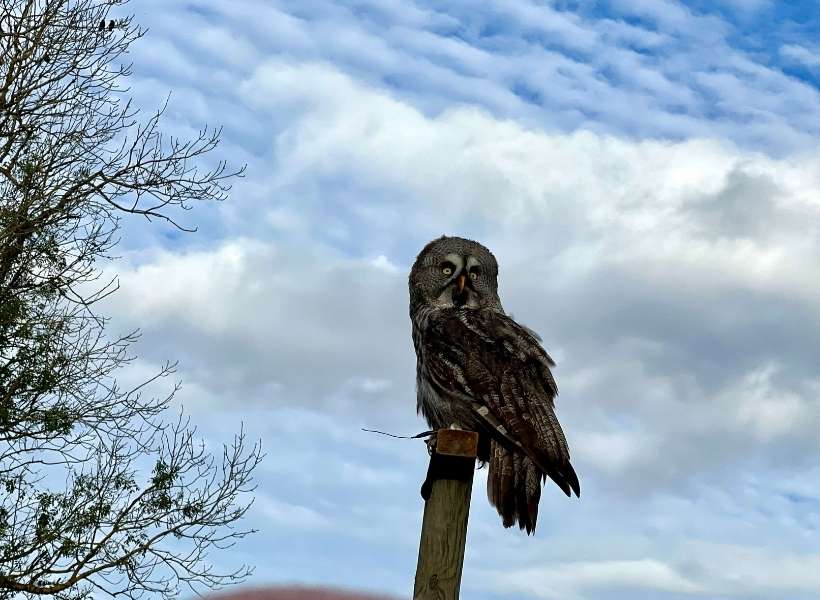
446 511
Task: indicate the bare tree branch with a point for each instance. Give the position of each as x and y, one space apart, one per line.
98 493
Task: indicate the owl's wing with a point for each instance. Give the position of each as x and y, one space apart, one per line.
500 366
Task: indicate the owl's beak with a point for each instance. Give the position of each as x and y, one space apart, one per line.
462 279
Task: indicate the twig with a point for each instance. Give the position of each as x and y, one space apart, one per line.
403 437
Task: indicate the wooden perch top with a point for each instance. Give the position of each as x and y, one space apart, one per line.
457 442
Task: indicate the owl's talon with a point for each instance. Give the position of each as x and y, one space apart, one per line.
431 444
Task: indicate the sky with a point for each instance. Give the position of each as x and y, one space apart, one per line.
646 173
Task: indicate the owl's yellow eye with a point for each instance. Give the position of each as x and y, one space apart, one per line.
447 271
473 275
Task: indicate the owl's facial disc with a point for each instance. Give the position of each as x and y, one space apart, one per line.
455 281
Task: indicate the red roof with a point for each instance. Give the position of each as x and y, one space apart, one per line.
294 593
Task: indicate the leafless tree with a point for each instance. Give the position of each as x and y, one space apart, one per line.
100 492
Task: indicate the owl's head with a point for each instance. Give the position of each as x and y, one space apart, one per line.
453 271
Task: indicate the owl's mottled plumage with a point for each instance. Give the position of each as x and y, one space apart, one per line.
479 369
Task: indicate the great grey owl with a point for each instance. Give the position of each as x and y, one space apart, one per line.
480 370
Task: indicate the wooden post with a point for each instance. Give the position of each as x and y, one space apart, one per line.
444 526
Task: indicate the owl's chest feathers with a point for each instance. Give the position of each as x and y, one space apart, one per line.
437 411
440 407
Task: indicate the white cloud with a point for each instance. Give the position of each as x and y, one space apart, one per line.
613 452
676 75
284 514
713 569
751 571
382 262
500 170
571 580
766 411
272 322
801 54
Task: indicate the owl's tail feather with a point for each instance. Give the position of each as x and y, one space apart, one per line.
514 487
563 474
